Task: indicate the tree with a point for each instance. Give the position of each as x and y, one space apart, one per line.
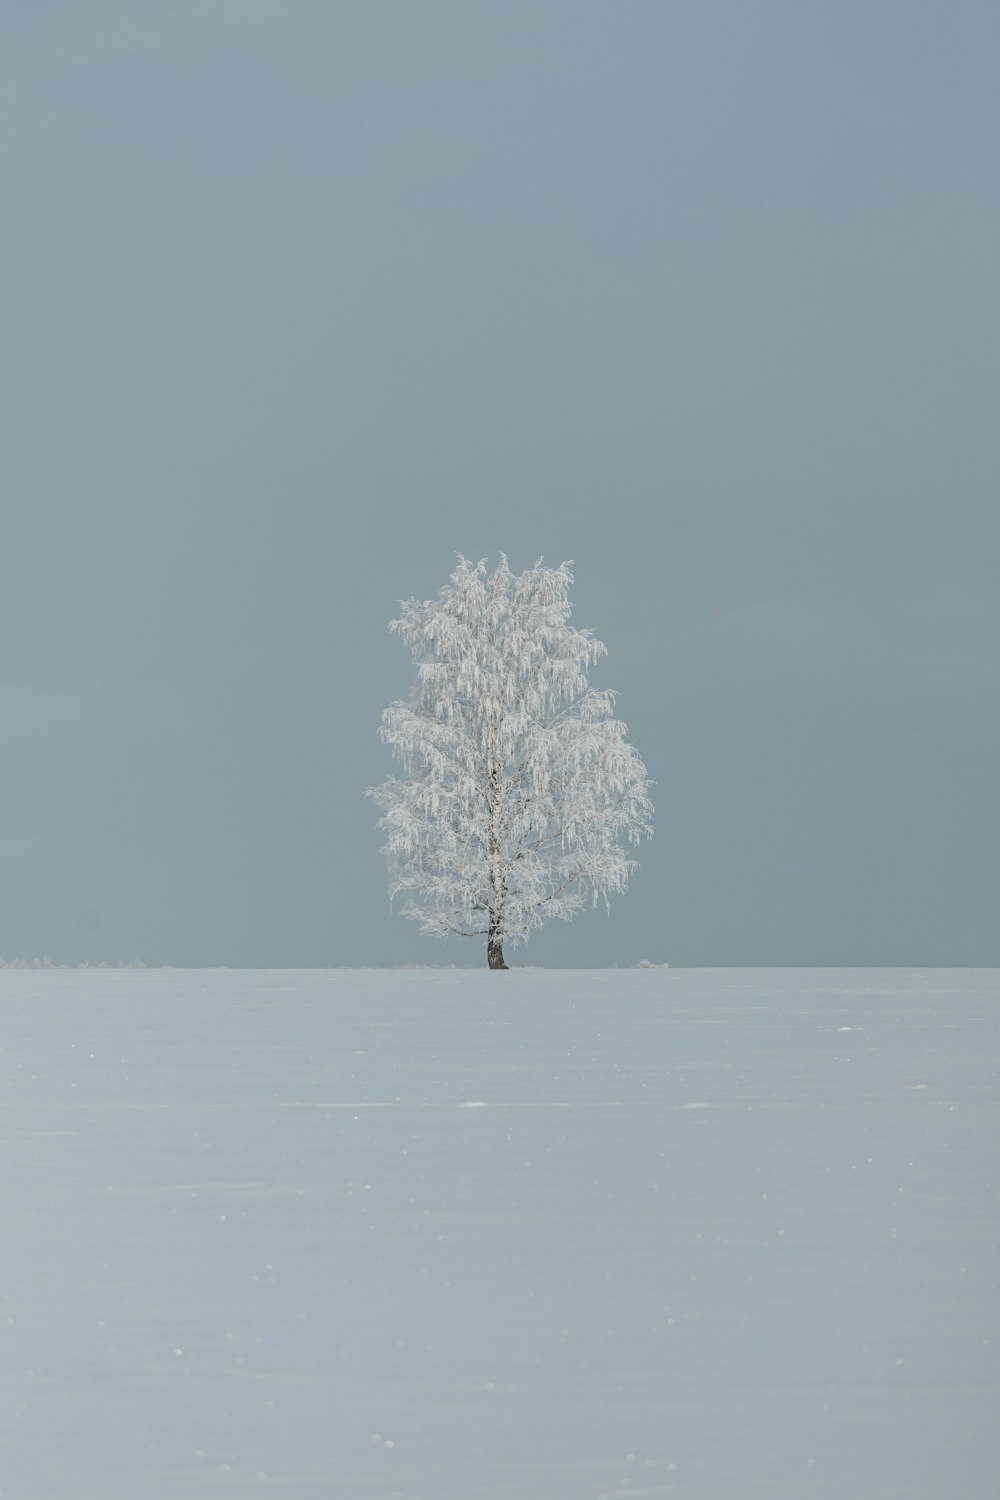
520 788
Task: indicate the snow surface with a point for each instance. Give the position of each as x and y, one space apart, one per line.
543 1235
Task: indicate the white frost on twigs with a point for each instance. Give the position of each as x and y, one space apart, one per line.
520 790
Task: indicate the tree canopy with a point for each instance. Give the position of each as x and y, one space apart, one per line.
520 791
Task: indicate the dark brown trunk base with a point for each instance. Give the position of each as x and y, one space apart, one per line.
494 956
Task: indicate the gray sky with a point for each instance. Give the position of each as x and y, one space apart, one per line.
301 299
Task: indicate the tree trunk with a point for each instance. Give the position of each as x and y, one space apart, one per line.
494 956
494 940
494 945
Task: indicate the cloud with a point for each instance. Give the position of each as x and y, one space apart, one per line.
93 710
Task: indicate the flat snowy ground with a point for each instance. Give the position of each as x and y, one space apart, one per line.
544 1235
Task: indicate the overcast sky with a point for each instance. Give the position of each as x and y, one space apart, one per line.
302 297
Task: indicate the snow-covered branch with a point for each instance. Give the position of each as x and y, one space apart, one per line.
512 762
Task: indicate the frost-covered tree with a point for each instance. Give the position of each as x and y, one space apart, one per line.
520 791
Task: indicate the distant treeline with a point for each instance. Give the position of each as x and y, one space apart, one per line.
46 963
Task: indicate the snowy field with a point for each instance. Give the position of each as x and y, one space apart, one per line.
543 1235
